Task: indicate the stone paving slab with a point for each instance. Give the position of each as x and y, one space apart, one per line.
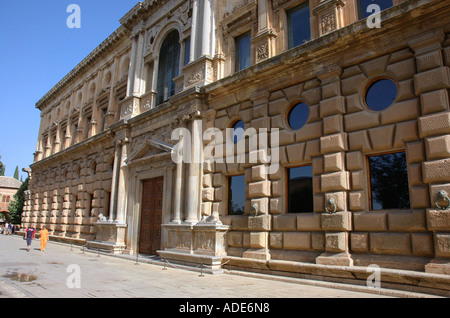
63 271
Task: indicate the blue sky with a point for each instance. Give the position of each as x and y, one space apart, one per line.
37 50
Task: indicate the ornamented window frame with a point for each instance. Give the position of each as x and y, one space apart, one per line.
244 19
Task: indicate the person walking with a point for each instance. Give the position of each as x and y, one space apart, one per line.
43 234
29 236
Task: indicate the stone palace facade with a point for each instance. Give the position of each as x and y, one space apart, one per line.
343 115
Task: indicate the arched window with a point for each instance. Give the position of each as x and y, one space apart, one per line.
169 59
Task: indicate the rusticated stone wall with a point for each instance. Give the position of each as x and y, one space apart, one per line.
68 197
78 166
340 134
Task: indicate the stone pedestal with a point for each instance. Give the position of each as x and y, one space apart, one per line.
438 221
129 107
199 73
259 227
195 244
337 226
110 237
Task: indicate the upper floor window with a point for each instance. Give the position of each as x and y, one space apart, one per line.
103 112
187 51
366 7
299 27
169 59
243 55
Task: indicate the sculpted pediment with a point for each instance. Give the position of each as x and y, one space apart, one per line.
150 149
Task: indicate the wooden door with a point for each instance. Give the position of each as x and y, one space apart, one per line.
151 216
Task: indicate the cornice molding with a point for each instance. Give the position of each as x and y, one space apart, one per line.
98 52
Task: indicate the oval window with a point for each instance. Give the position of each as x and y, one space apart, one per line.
298 116
238 131
380 94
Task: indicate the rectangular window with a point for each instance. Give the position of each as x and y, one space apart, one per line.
187 50
88 127
243 54
104 111
236 195
107 204
300 189
389 181
90 203
368 7
299 26
63 137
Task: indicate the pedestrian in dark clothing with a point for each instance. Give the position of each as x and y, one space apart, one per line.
29 236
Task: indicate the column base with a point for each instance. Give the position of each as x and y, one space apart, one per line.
335 259
206 263
438 266
194 244
110 237
114 248
261 254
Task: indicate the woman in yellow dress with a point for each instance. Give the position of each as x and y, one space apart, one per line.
43 238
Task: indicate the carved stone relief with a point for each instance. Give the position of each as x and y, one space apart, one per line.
328 21
262 52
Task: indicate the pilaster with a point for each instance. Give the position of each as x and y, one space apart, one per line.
194 171
431 83
336 220
264 41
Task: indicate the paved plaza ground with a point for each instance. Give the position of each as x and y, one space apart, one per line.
65 271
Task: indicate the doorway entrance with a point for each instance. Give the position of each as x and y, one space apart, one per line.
151 216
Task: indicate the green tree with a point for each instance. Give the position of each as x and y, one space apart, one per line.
16 173
15 206
2 168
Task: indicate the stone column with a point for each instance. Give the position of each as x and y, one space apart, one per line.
57 143
199 72
115 181
122 188
207 29
193 188
111 234
194 31
48 145
336 220
110 113
131 71
179 187
138 73
39 152
431 83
